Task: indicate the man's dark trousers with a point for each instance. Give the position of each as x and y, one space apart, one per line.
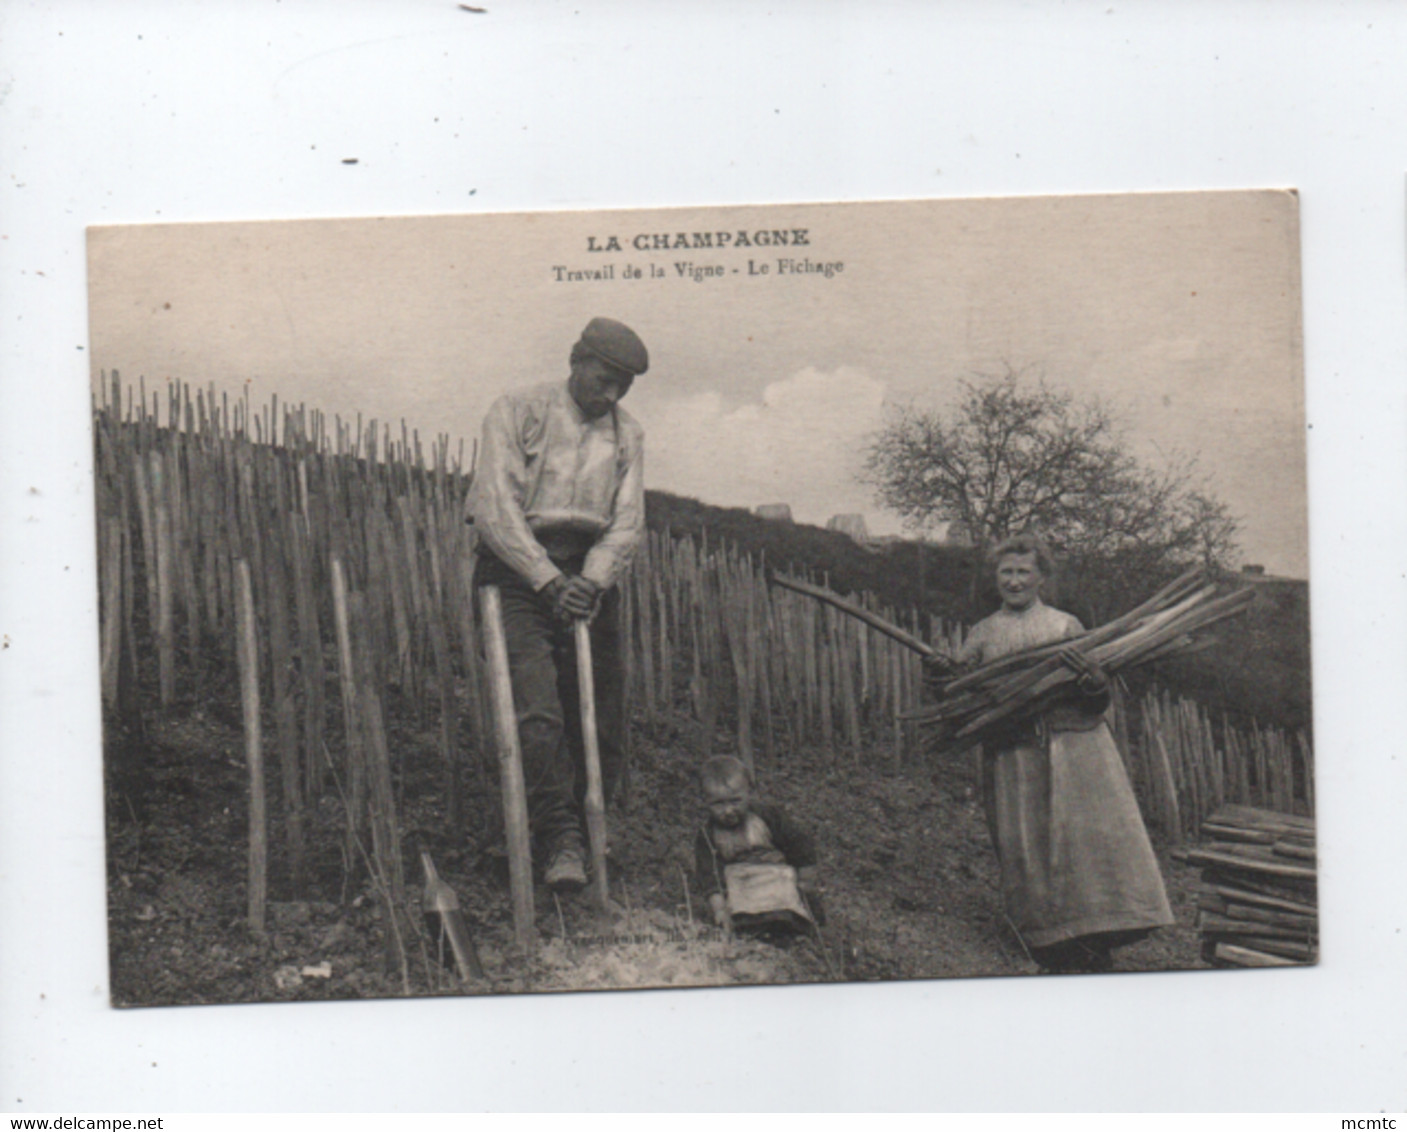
542 665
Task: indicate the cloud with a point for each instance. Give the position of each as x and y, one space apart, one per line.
801 443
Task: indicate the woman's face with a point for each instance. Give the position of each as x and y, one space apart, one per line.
1018 580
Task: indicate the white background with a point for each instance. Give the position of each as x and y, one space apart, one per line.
129 112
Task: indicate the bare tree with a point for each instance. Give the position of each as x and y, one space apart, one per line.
1018 455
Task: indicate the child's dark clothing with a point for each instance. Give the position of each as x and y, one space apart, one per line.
732 860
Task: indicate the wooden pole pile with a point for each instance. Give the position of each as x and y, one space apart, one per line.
1258 902
1028 681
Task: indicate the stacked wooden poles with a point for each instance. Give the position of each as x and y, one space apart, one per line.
1258 904
1026 681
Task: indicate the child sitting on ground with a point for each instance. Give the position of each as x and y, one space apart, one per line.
755 865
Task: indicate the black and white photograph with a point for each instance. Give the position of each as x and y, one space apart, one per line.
592 600
608 556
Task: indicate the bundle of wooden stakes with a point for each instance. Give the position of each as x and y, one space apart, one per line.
1258 903
1027 682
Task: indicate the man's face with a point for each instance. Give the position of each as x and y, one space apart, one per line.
596 386
727 802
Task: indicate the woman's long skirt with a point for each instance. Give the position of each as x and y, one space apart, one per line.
1075 856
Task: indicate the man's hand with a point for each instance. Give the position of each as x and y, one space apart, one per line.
1089 677
572 596
552 593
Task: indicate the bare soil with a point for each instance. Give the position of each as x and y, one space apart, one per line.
908 872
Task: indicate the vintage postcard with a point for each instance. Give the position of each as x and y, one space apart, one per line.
793 593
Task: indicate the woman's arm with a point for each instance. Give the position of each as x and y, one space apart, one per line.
940 670
1091 690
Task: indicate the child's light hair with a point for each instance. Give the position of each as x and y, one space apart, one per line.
722 771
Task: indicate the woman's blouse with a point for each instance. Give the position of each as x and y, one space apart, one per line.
1008 631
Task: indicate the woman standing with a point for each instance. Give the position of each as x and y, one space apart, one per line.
1078 873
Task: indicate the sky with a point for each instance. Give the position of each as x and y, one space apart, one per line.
767 381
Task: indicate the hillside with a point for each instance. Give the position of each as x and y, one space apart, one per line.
1257 670
905 575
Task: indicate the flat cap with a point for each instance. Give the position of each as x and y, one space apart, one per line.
616 344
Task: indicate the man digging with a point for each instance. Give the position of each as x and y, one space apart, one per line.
558 501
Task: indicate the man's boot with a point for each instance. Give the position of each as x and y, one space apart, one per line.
566 868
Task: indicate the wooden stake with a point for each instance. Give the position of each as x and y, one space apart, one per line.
595 798
826 661
128 697
845 645
1217 858
666 645
510 763
1249 957
248 652
285 715
381 807
473 665
640 579
447 924
165 635
110 588
895 675
351 707
820 593
311 668
1167 788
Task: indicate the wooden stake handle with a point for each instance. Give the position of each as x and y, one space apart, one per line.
510 765
595 795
